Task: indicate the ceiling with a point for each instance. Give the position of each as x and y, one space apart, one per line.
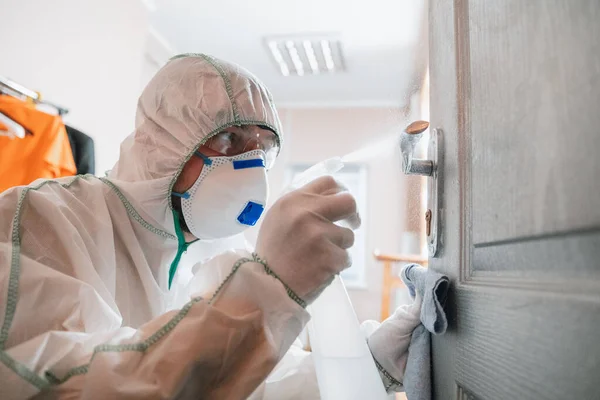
382 41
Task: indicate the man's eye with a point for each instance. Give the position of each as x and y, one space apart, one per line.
226 136
270 143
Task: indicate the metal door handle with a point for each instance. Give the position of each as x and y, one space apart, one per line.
408 141
429 167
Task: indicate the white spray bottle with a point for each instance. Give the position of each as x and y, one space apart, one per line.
344 365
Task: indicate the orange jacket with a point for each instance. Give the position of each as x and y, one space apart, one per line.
45 154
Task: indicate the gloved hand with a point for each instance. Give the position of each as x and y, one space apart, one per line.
389 343
299 240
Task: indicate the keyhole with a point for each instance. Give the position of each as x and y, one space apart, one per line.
428 222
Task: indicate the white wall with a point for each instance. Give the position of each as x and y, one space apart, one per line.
313 135
85 55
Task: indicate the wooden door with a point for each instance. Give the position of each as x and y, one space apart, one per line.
515 86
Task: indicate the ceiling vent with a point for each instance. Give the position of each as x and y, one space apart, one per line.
306 55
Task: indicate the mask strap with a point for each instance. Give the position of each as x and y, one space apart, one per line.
185 195
207 161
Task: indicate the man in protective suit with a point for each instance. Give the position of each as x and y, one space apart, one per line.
89 300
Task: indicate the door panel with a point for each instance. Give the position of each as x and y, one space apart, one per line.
515 87
534 99
526 346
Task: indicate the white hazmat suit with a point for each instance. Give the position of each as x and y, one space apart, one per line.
85 261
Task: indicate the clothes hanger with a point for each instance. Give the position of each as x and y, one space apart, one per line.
13 129
14 89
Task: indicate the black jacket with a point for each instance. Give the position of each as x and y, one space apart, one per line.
82 147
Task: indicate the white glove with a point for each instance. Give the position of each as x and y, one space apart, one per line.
389 343
299 240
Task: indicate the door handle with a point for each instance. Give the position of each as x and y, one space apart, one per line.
429 167
410 137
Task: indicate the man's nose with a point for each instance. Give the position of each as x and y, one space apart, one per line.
254 143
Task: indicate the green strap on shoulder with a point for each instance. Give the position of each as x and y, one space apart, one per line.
181 247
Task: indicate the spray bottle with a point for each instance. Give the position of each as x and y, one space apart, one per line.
344 365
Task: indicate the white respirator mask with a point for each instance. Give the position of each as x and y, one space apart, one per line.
228 197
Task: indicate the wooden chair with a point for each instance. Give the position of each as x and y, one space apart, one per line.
392 281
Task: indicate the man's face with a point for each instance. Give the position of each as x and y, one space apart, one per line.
231 141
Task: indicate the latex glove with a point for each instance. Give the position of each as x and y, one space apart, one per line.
299 240
389 343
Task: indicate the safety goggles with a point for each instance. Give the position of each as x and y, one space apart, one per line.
234 142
